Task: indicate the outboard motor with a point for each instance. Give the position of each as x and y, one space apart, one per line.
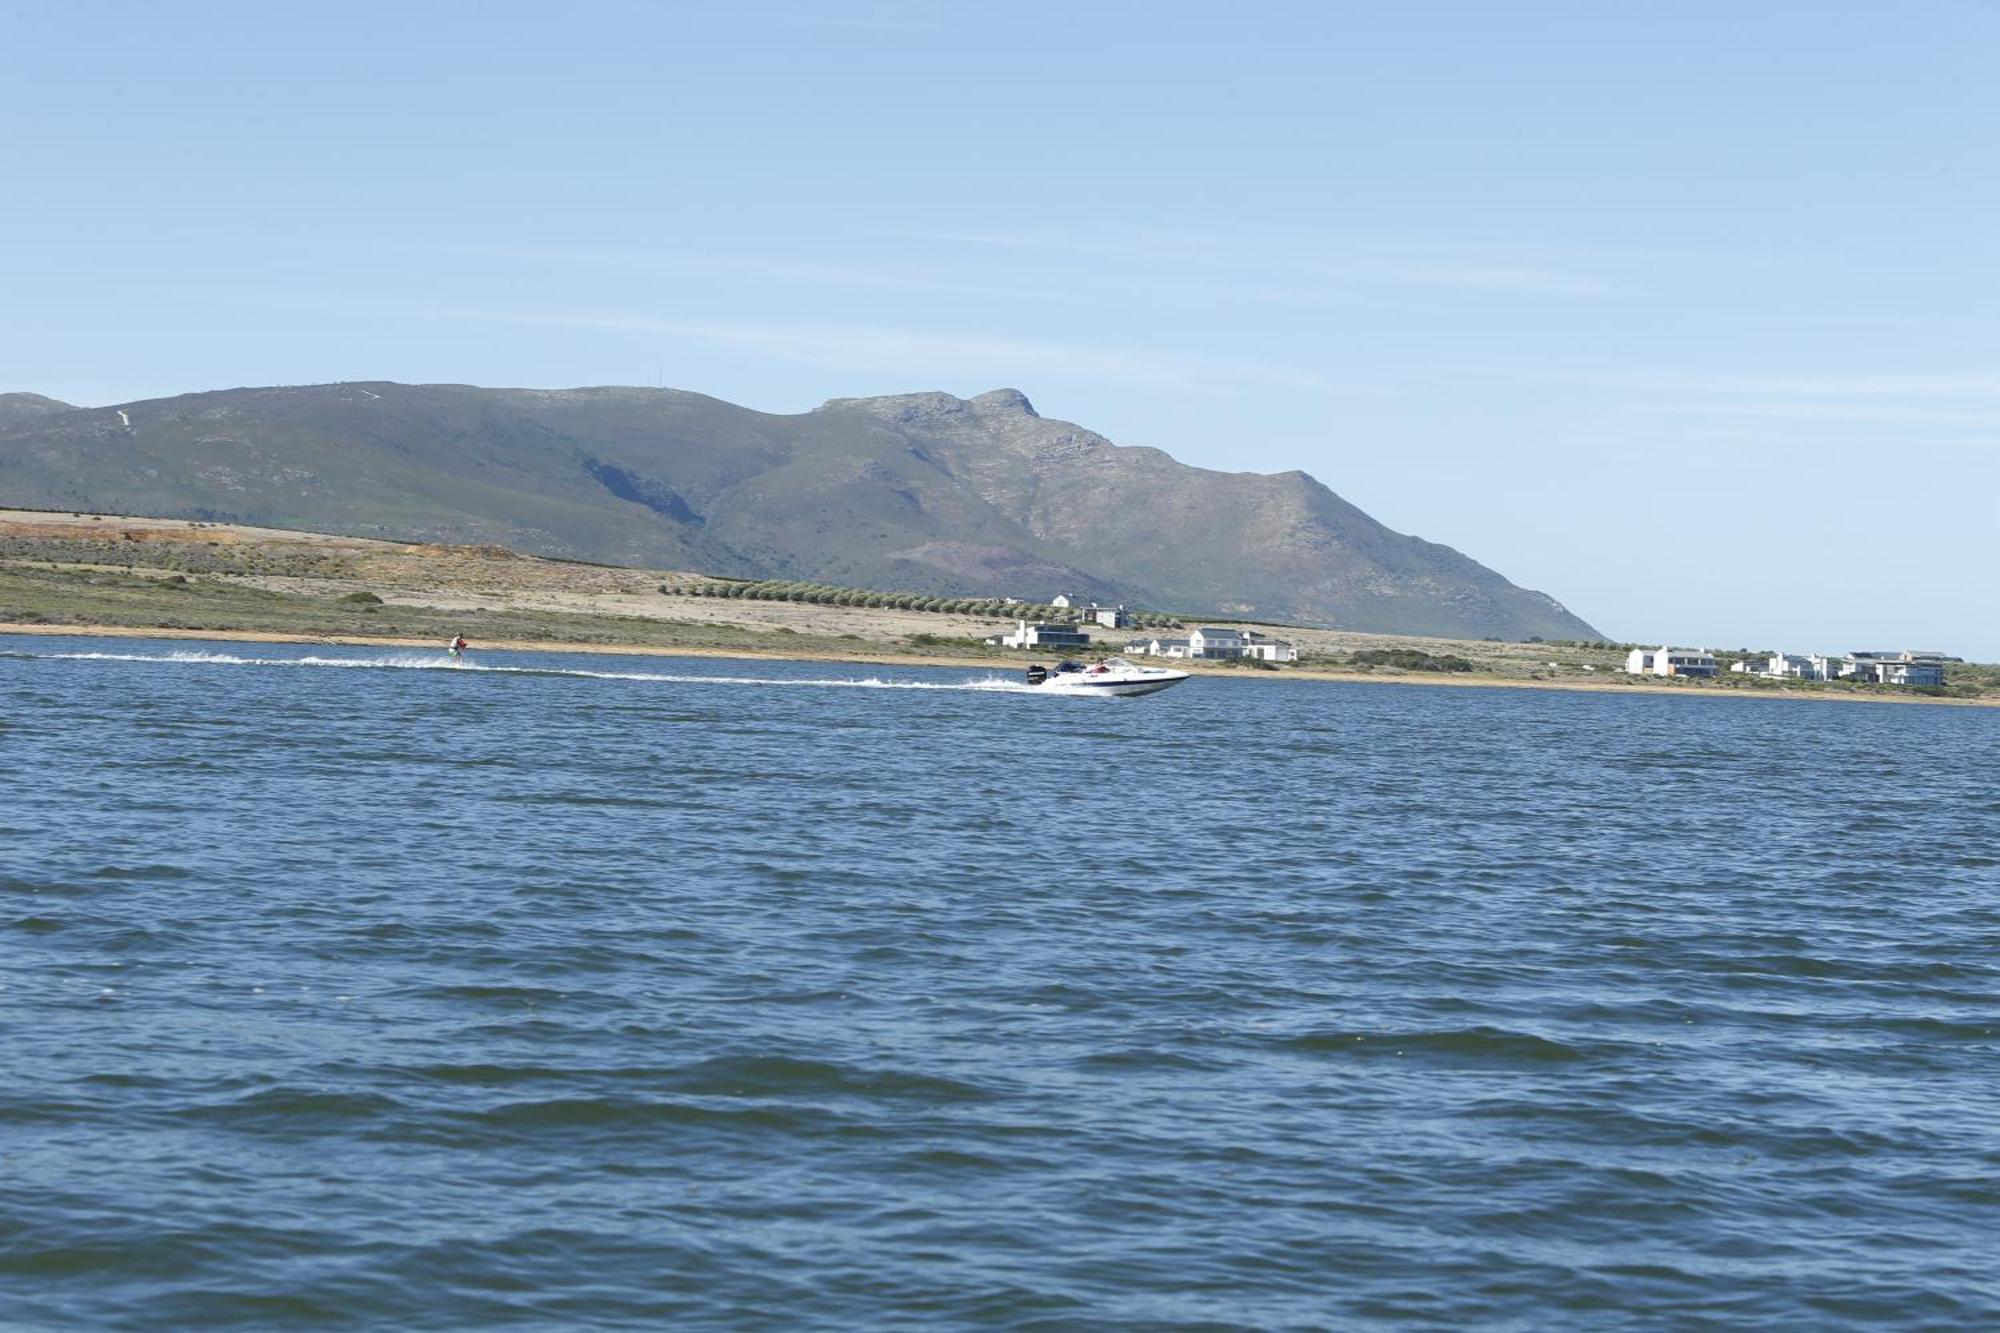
1037 673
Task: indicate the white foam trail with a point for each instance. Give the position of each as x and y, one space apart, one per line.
424 662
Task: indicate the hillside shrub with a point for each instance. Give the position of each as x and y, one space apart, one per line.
1409 659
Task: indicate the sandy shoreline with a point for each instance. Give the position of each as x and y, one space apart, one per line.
1474 681
123 572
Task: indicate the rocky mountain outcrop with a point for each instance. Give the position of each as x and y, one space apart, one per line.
921 492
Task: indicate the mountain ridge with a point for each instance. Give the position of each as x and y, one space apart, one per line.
18 407
923 491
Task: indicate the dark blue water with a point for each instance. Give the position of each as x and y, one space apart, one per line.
709 993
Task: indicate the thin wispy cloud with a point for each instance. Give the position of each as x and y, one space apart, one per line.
1496 278
1294 257
1853 414
862 347
917 352
1293 262
881 18
1945 384
1954 384
1718 448
1948 409
935 277
910 353
1930 409
751 269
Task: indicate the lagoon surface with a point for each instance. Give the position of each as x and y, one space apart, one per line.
344 986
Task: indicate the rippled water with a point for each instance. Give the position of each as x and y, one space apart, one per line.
621 991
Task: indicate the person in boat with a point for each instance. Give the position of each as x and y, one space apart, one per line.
1099 668
458 645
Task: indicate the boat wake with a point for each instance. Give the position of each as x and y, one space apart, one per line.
428 662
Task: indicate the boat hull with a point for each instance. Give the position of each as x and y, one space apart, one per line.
1117 687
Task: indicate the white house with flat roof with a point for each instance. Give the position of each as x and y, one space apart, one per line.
1910 673
1267 649
1214 641
1880 668
1861 665
1034 635
1779 666
1904 668
1111 617
1665 661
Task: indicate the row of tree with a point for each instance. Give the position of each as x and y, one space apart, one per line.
824 594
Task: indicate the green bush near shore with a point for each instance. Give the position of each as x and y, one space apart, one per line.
1409 659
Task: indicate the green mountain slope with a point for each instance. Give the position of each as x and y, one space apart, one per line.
19 407
924 492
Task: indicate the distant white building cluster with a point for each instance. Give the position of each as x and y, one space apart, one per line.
1214 642
1878 668
1034 634
1111 617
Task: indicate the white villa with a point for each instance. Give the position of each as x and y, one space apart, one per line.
1267 649
1669 662
1211 642
1111 617
1027 635
1788 666
1904 668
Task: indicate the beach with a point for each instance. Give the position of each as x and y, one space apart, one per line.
1440 680
178 578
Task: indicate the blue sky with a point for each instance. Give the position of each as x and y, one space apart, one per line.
1682 312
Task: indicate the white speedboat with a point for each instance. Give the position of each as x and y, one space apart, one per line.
1113 675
